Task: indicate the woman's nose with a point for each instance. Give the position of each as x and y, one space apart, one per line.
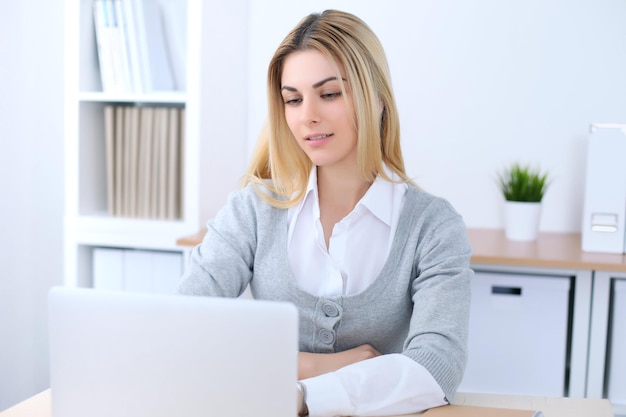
310 113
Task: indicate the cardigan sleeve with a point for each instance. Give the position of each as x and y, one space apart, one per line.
221 265
440 291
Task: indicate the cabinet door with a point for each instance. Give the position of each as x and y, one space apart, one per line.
137 270
617 346
518 334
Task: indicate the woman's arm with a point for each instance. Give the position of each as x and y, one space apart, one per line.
221 265
314 364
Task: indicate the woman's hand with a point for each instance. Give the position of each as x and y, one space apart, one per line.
314 364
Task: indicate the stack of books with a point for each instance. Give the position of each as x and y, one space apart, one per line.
134 53
144 161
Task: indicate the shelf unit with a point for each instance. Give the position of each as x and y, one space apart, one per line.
214 148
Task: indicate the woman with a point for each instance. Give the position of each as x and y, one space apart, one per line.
329 221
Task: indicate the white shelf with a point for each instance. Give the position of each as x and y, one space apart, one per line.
174 97
144 233
213 153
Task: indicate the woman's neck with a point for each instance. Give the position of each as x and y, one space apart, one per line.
340 188
339 191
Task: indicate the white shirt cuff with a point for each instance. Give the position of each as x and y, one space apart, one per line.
385 385
327 397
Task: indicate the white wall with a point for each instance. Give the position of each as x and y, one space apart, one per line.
31 188
483 83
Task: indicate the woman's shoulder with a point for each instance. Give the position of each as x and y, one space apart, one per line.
244 195
434 215
246 206
253 195
421 200
430 211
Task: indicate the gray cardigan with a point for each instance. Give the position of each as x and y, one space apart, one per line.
417 306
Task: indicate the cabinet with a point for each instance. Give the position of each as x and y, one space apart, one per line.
519 326
214 145
595 364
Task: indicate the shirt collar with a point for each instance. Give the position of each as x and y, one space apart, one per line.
312 185
378 199
310 193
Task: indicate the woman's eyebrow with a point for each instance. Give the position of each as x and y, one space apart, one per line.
316 85
324 81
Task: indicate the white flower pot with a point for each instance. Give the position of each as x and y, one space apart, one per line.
521 220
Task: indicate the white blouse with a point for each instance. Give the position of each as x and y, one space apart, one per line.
357 250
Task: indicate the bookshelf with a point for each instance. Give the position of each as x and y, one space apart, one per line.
213 152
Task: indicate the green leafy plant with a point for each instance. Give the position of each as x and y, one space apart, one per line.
523 183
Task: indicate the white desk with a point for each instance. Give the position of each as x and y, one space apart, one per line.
39 405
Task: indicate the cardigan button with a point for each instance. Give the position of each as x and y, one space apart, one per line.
327 336
330 310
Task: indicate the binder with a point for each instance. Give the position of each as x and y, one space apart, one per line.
133 48
604 209
145 162
119 161
150 46
104 37
109 132
173 165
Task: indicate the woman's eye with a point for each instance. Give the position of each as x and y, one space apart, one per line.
292 101
331 96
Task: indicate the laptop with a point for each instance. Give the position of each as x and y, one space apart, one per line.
118 354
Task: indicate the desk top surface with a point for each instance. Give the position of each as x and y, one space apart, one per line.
39 405
550 250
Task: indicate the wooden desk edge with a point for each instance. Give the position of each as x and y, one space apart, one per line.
550 406
191 240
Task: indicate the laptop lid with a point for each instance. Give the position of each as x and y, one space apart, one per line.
116 354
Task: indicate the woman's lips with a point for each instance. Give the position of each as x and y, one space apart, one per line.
318 136
318 139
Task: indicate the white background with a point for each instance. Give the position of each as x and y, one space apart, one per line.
31 188
479 83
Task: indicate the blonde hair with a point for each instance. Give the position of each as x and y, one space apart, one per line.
352 46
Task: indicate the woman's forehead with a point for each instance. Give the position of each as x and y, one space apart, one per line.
308 67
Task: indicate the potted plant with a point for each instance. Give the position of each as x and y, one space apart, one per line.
523 188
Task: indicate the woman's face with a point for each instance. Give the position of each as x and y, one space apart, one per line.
317 114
